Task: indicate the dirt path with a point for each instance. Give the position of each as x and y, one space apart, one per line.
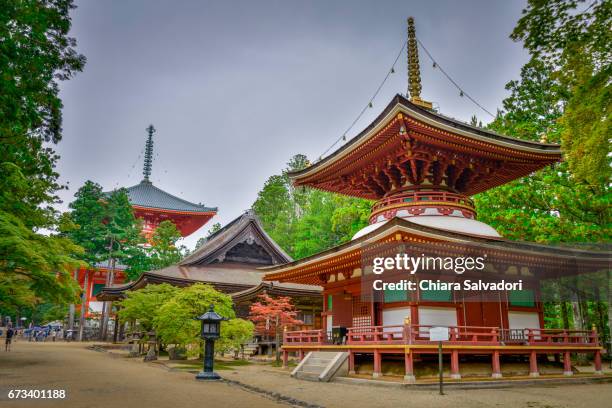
94 379
363 396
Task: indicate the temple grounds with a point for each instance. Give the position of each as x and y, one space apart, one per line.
109 379
93 379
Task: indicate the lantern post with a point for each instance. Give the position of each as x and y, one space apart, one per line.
211 331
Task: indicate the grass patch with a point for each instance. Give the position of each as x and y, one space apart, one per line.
189 365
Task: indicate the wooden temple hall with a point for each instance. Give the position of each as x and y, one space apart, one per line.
421 168
229 261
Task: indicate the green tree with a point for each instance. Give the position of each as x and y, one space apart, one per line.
573 40
105 224
216 227
36 54
304 221
143 305
175 322
235 333
563 96
163 250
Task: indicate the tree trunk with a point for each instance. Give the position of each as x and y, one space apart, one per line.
83 301
71 311
576 314
565 316
107 306
277 341
116 329
609 345
579 323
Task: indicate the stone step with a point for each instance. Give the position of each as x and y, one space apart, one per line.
322 366
307 376
319 361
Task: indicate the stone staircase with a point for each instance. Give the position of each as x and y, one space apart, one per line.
321 366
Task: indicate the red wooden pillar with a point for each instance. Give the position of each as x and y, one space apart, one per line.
533 364
567 363
409 363
495 365
455 365
351 362
377 364
285 358
597 361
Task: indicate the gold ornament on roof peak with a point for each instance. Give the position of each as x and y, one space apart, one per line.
414 70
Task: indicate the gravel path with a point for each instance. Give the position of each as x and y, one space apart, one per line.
358 396
95 379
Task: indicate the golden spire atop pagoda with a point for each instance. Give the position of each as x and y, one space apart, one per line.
414 71
148 156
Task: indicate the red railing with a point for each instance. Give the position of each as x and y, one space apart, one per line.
419 334
304 337
413 197
549 336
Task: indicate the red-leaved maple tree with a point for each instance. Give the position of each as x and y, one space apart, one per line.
271 315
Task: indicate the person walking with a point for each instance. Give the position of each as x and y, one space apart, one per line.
9 338
53 334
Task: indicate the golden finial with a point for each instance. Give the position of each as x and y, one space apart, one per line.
414 71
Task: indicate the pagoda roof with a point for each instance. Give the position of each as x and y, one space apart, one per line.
558 259
146 195
382 141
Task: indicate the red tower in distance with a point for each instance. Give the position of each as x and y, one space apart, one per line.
154 205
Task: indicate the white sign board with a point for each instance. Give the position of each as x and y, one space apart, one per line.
438 334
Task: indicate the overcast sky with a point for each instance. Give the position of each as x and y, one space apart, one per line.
235 88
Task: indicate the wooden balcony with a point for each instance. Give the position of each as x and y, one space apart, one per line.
458 335
412 341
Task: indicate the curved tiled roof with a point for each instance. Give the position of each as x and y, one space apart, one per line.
145 194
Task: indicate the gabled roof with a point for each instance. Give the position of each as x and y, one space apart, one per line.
146 195
245 228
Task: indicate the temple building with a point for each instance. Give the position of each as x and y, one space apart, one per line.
153 205
229 260
421 168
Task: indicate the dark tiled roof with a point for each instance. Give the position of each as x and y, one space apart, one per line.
145 194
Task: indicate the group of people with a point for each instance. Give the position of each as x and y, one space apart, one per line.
47 333
43 334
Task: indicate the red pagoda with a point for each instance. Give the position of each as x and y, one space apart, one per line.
153 205
421 168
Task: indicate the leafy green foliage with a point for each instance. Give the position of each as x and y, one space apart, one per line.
234 334
552 205
175 320
105 224
143 305
35 53
305 221
563 96
572 39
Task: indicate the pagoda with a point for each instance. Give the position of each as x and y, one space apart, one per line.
153 205
421 168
